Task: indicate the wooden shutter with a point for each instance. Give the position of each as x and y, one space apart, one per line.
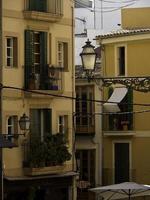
29 55
15 124
111 117
15 52
65 46
43 59
47 121
130 108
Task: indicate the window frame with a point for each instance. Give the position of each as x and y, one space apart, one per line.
63 124
13 127
117 60
65 53
13 51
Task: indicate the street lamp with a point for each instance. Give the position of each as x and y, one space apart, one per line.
24 122
88 57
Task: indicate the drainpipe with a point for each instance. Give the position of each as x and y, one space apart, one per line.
1 66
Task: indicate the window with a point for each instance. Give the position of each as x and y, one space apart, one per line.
35 59
41 122
84 108
12 126
62 57
121 61
63 124
11 52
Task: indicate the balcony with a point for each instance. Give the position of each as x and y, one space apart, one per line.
45 10
47 156
118 123
85 125
48 79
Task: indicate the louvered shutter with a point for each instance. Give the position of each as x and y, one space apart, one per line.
130 108
43 60
29 55
47 122
111 116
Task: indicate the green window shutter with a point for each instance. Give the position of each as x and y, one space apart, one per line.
43 48
47 122
29 55
130 107
43 60
111 117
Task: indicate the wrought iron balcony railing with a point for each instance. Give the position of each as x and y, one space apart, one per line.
50 79
115 122
85 124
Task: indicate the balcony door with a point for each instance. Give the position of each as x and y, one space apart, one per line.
35 58
121 162
41 123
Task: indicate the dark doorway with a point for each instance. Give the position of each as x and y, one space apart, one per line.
121 162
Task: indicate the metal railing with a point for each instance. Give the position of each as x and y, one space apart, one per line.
85 123
50 79
49 6
115 122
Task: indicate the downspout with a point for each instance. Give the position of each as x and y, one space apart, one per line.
1 75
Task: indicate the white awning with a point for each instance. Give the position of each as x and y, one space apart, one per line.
116 97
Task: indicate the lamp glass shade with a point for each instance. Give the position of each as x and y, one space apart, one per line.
24 122
88 56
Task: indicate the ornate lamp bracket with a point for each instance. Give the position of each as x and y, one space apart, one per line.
141 84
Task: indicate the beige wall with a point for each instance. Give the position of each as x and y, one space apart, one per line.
135 18
138 157
137 64
16 102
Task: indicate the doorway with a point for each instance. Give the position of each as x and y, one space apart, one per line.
121 162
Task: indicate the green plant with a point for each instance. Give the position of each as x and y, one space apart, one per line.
36 154
50 152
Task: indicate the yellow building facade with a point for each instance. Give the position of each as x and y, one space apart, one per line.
38 57
126 136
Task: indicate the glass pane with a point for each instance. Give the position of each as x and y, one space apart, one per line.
37 58
37 37
9 42
9 61
37 48
8 52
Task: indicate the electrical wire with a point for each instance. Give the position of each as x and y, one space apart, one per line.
72 98
101 10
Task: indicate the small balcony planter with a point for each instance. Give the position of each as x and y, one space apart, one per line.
35 171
